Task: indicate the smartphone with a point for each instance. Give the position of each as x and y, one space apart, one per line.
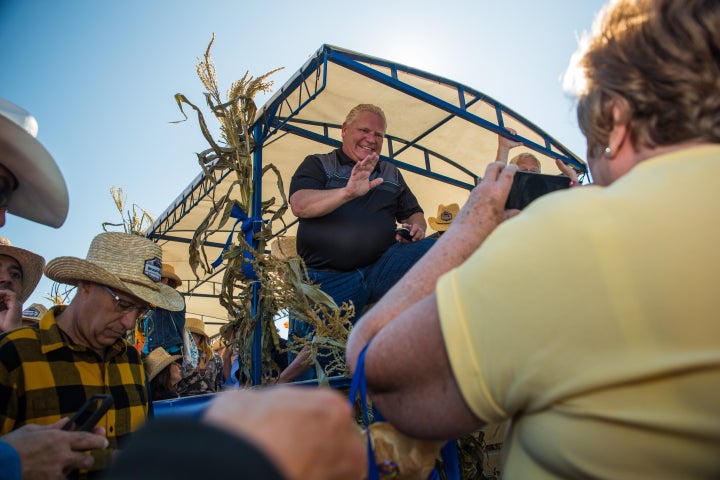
404 233
527 186
90 413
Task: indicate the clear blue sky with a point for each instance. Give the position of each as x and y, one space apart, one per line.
100 76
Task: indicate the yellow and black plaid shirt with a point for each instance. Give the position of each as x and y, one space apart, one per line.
45 376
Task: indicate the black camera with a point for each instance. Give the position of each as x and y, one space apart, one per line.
527 186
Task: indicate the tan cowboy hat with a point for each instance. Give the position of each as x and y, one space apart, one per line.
169 272
34 312
195 325
157 360
41 195
445 216
124 262
31 264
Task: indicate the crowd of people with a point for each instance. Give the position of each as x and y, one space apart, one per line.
605 368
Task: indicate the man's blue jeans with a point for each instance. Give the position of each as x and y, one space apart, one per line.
363 286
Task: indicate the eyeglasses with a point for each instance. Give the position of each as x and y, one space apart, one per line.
125 306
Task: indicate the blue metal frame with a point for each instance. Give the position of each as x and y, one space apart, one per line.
354 62
257 225
273 121
270 112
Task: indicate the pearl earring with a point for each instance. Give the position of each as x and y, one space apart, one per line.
608 151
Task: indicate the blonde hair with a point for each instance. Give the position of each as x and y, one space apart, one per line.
204 347
197 326
520 156
659 62
365 107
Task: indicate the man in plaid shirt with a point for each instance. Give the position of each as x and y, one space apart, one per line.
48 372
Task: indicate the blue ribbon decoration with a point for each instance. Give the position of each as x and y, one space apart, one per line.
246 227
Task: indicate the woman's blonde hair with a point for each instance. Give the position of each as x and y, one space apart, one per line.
659 62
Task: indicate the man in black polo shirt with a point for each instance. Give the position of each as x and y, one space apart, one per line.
348 204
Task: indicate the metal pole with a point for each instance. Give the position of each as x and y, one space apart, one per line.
257 225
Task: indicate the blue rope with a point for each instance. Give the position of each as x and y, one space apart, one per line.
451 460
358 385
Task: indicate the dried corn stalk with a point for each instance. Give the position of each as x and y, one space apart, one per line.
137 221
280 283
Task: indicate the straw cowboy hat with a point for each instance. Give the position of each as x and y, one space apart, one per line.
124 262
445 216
41 195
34 312
31 264
195 325
157 360
169 272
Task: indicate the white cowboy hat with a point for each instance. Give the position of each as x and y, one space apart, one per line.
41 195
124 262
31 264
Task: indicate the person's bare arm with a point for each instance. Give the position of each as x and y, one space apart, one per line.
504 146
410 378
406 322
297 367
310 203
227 362
568 171
317 203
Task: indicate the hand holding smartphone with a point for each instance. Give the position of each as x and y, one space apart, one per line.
90 413
404 233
